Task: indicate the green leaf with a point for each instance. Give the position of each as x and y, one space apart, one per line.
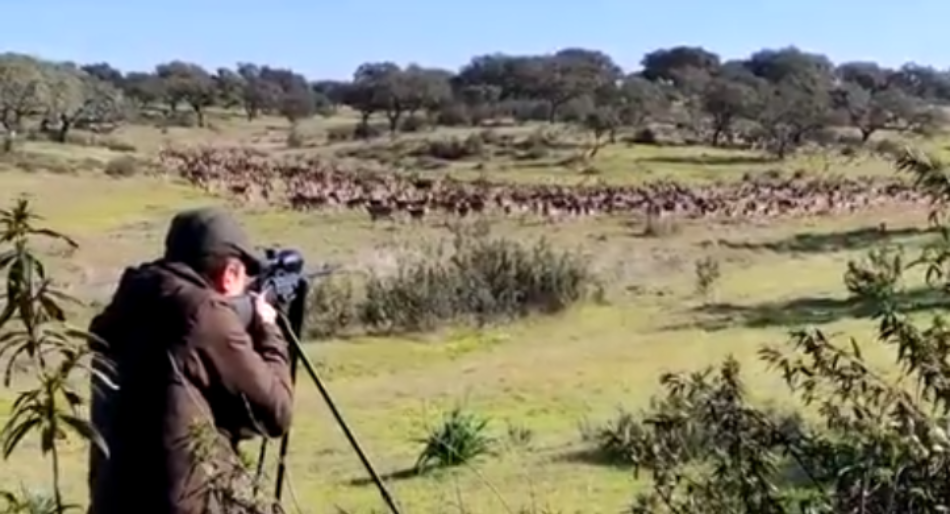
856 349
52 309
73 398
87 431
6 258
16 434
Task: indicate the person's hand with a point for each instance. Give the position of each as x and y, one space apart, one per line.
265 312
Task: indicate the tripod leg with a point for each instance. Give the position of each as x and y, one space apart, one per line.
261 459
285 441
292 331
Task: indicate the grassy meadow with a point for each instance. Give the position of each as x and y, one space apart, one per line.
538 380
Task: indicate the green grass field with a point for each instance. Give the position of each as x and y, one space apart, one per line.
545 375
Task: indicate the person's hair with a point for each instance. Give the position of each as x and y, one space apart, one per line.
213 265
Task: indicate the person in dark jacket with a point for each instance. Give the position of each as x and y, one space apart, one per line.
180 358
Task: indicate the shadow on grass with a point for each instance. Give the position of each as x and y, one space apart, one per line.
810 242
789 473
807 311
393 476
715 160
592 456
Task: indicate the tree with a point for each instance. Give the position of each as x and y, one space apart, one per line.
333 90
638 100
514 76
923 82
572 73
783 65
258 94
380 87
480 101
289 92
601 121
23 90
787 113
297 103
77 98
144 89
425 89
229 87
187 83
794 97
685 67
724 101
870 76
106 73
870 110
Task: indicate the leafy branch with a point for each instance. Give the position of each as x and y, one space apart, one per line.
36 340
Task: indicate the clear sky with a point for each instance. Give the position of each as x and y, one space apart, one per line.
330 38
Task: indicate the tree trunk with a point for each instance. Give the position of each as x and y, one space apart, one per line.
200 114
64 125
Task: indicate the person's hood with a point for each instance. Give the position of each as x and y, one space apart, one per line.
139 294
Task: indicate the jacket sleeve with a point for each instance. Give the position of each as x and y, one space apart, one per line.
260 373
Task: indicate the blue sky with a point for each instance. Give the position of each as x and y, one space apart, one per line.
329 39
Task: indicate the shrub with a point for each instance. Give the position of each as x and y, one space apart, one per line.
879 443
461 438
36 337
181 119
454 115
675 428
342 133
707 273
414 123
118 146
295 138
123 166
451 149
887 148
484 279
330 308
369 131
645 136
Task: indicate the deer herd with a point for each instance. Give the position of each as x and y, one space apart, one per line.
315 183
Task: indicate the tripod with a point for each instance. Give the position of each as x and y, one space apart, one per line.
291 326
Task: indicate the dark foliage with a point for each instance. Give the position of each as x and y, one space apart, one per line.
775 99
873 444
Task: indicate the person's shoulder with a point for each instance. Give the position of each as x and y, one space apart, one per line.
182 291
211 307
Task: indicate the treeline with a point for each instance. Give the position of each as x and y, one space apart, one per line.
774 98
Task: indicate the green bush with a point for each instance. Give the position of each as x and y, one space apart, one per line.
411 124
451 149
295 138
461 438
483 279
876 442
474 279
123 166
674 426
331 308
